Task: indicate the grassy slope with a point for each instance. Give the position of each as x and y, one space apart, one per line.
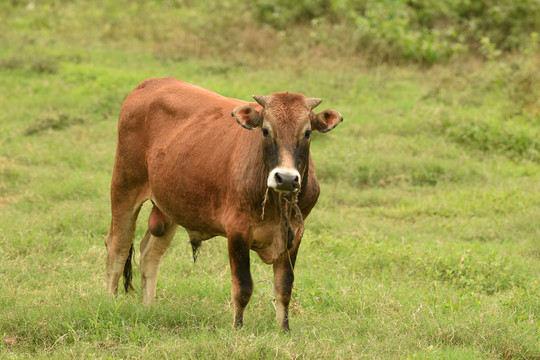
424 244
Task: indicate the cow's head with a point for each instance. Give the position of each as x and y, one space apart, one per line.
286 122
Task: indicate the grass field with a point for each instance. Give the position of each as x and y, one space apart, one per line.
425 243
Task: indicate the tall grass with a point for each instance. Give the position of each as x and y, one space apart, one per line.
392 31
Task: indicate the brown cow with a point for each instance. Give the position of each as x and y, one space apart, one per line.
179 146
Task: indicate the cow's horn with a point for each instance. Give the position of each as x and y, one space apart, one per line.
313 102
261 99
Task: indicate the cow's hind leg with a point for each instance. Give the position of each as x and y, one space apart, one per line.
153 249
119 241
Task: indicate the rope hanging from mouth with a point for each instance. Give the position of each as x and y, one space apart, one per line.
264 202
286 208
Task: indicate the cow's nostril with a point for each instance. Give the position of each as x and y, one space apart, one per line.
278 178
296 181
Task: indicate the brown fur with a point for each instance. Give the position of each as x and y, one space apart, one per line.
179 146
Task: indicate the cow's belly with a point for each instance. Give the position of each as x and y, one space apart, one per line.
195 217
185 195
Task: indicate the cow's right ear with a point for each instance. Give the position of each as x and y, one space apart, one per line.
247 116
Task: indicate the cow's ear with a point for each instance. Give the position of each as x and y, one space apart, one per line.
247 116
326 120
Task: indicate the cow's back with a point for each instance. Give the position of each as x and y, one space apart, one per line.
182 142
161 105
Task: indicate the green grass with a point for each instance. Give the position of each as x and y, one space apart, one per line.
425 243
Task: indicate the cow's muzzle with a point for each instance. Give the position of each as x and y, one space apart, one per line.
284 180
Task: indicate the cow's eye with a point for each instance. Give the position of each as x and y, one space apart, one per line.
307 134
265 132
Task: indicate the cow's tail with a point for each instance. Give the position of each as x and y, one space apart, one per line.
128 271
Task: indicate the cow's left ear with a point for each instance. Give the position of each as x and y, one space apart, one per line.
247 116
326 120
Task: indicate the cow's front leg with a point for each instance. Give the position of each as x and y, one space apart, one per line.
283 284
242 284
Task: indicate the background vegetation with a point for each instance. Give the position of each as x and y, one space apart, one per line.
424 244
